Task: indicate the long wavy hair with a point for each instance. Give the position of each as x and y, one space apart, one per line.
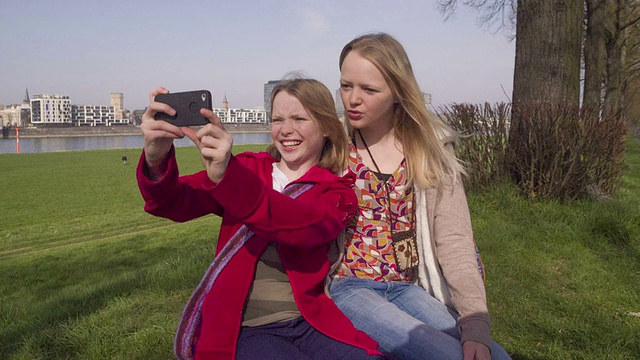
423 135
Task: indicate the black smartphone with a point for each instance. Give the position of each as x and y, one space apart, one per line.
187 106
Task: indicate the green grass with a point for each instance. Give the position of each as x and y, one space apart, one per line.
563 278
86 274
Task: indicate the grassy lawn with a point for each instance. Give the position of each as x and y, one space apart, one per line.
86 274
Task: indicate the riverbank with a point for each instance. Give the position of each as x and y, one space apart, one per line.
120 130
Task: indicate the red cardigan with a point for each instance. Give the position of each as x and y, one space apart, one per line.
302 228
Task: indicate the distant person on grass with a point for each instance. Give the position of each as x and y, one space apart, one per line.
263 296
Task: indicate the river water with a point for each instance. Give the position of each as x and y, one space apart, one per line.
51 144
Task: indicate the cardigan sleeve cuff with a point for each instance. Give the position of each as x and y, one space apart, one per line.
475 328
167 168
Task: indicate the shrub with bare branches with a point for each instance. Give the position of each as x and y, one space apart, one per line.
483 131
561 152
564 152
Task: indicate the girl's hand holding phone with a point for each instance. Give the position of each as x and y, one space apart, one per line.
214 144
158 135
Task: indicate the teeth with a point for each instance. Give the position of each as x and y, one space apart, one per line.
291 143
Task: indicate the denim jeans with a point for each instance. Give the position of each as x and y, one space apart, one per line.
406 321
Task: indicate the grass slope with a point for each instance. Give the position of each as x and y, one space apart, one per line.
86 274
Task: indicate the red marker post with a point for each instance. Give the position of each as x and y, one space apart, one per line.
17 140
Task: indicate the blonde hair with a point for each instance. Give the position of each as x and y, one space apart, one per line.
424 136
318 102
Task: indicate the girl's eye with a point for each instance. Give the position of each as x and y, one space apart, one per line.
300 119
344 86
276 120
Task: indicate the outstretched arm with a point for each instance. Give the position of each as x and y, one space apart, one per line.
304 221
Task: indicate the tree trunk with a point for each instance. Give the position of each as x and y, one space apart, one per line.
631 83
547 70
594 54
615 53
548 49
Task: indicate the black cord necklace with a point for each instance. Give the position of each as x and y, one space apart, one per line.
405 248
386 187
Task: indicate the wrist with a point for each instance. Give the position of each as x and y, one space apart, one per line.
155 169
155 173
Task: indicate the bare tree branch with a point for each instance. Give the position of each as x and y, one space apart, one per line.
632 10
635 65
447 8
630 23
494 15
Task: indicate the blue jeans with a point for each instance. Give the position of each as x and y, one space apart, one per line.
406 321
295 340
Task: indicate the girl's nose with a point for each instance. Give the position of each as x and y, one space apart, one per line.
354 97
287 127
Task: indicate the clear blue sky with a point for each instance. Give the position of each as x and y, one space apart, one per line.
87 49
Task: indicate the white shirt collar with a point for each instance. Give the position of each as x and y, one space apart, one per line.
280 180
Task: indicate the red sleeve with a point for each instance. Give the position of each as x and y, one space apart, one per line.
178 198
306 221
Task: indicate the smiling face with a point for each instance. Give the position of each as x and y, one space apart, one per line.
295 134
367 98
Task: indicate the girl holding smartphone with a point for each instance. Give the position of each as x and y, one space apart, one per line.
262 297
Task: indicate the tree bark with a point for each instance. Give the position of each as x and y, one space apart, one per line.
631 83
594 54
615 53
547 70
548 49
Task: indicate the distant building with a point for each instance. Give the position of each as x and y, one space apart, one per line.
101 115
25 116
16 115
50 109
426 98
339 104
225 103
117 101
241 116
11 116
268 89
93 115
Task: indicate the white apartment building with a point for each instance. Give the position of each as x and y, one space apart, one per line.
50 109
93 115
241 116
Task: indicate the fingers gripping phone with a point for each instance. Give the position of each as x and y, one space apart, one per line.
187 106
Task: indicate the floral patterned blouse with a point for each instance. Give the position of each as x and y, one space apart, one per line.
369 253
